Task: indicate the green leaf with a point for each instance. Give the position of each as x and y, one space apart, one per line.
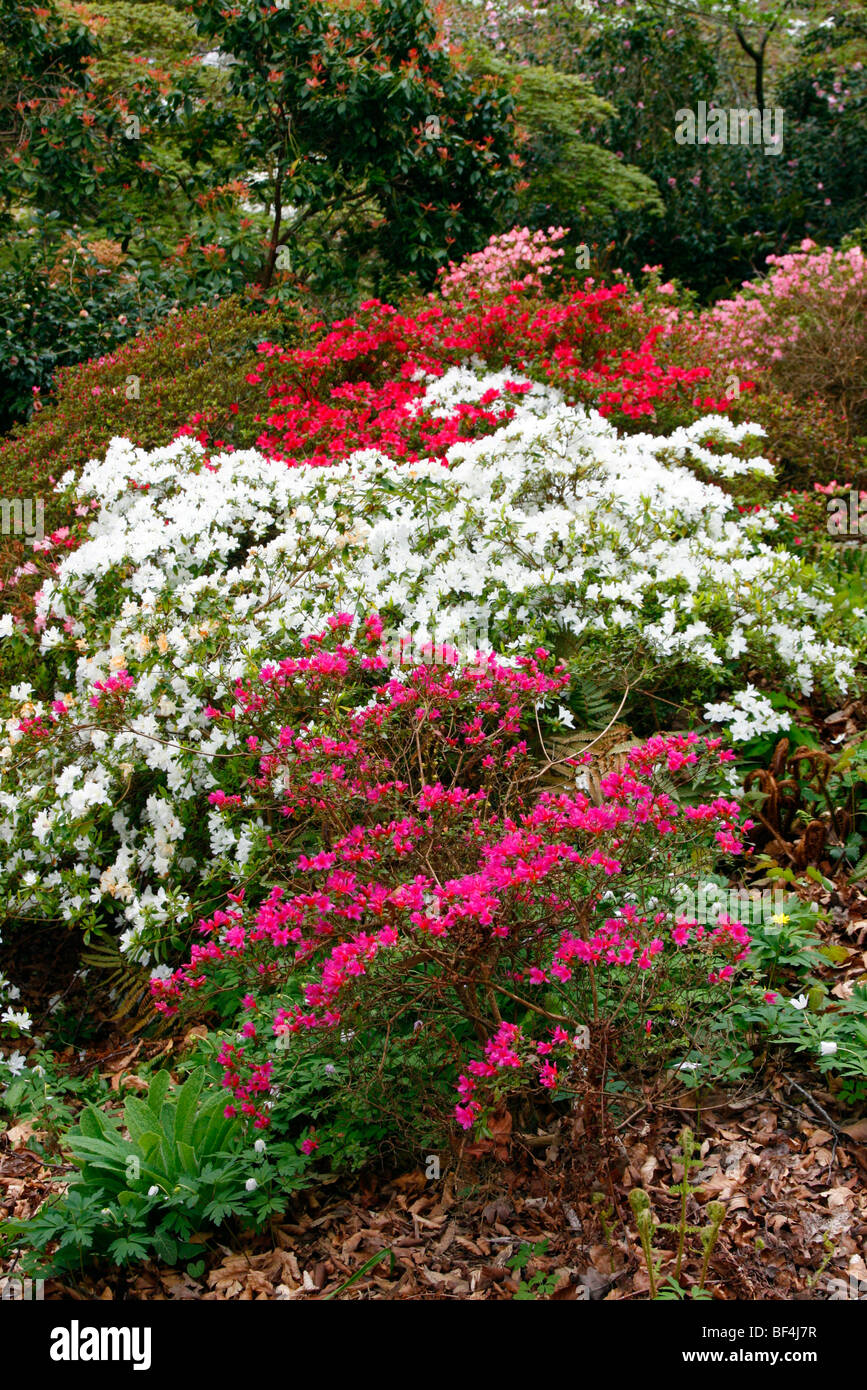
92 1123
185 1114
166 1247
189 1160
138 1118
157 1090
368 1264
99 1148
836 954
814 874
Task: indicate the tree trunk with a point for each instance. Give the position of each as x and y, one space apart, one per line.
758 57
268 273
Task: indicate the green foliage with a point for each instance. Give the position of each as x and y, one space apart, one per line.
832 1032
726 207
176 1171
64 139
648 1226
56 311
357 109
46 1093
149 1194
158 33
824 92
787 947
377 157
571 179
671 1291
540 1284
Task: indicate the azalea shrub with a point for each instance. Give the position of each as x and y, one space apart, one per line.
596 343
518 259
802 324
452 906
191 367
786 350
806 437
621 554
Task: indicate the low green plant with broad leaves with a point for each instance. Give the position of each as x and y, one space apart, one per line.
539 1284
180 1174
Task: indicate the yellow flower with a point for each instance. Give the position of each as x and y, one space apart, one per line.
781 918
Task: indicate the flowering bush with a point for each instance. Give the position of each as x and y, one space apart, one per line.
449 891
801 327
597 345
519 259
550 530
786 350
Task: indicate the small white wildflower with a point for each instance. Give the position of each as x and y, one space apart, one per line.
16 1063
18 1018
251 1184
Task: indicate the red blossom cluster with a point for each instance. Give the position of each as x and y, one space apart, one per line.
361 385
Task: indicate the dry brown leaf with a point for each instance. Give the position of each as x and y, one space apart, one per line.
20 1133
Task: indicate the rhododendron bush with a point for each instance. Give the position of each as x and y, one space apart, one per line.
518 259
599 344
791 345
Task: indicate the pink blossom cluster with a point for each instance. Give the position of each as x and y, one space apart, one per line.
510 1050
515 261
119 684
763 323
